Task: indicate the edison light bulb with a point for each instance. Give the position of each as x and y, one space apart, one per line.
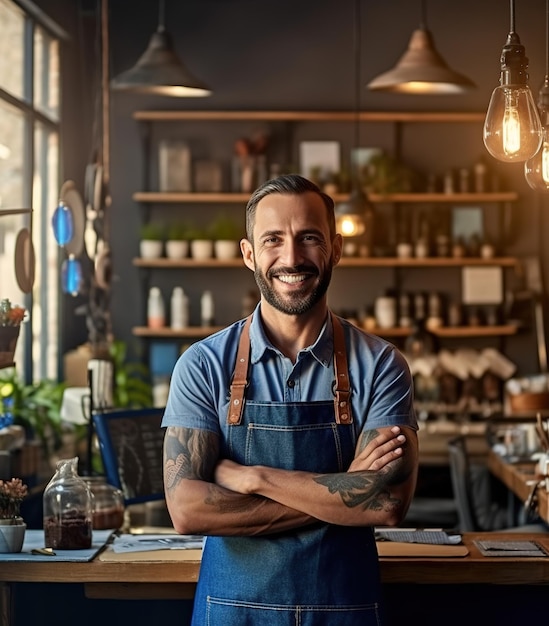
350 225
536 169
512 129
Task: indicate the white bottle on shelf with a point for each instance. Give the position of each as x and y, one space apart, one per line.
207 309
179 309
156 314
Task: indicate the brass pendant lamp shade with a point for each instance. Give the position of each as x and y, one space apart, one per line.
421 70
160 71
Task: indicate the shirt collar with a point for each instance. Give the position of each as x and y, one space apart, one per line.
322 349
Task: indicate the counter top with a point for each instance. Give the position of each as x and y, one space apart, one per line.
175 576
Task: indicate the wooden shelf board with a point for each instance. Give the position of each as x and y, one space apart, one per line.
309 116
14 212
346 262
194 332
165 263
173 197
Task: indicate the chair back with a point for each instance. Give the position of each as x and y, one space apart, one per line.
462 484
131 442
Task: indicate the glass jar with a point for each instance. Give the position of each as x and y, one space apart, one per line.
108 504
67 509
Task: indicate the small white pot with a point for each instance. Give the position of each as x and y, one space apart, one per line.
201 249
150 248
176 249
12 535
226 249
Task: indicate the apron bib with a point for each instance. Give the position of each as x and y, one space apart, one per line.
320 575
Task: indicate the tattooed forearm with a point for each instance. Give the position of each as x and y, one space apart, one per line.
188 453
363 489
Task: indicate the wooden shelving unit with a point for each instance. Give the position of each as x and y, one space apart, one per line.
413 200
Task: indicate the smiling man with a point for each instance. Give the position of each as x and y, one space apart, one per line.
290 435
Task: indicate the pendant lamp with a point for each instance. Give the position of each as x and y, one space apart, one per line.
355 216
421 69
512 128
159 70
536 169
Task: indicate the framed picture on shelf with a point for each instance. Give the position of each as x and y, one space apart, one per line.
319 159
174 166
467 222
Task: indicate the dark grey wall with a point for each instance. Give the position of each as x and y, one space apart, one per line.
297 54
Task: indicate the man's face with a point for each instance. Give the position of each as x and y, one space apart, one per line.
292 255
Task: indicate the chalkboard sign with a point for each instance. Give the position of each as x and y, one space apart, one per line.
131 443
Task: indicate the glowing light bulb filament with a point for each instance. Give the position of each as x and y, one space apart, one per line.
511 128
545 162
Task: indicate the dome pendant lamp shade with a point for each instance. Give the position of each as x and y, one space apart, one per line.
421 70
160 71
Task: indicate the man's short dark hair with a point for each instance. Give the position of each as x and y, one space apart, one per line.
289 184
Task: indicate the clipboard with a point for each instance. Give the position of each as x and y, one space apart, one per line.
426 550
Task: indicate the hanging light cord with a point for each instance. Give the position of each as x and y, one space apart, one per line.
423 22
357 83
546 39
161 15
512 16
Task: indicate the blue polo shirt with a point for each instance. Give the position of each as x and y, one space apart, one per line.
381 384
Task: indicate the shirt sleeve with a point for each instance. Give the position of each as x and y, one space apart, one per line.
381 383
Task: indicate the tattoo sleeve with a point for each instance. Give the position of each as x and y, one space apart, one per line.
368 489
189 453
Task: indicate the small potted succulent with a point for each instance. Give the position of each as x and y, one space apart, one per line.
11 316
177 240
151 245
226 235
201 244
12 526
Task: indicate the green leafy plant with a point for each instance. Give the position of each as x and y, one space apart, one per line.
225 228
152 232
179 231
35 406
132 387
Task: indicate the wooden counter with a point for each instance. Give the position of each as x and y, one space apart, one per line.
175 578
520 478
429 589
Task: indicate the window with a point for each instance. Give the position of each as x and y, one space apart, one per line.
29 174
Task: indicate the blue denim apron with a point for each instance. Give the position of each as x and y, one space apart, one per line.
320 575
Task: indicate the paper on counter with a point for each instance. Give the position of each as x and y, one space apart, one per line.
147 543
412 535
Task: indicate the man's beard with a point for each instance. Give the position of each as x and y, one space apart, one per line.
301 300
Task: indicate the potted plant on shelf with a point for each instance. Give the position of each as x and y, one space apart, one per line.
12 526
226 235
201 244
152 241
11 317
177 240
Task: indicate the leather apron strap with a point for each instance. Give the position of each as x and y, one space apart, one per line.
240 376
342 405
342 398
